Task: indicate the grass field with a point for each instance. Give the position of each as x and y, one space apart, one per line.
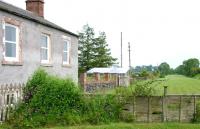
134 126
178 84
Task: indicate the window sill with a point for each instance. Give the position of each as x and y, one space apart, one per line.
66 65
46 65
12 63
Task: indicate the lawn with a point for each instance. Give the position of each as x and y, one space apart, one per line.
134 126
177 84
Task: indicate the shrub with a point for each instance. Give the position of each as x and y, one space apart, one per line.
101 109
147 88
50 101
47 100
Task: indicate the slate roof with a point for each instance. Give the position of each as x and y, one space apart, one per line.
111 70
30 16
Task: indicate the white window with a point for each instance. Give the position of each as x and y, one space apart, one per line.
66 52
45 48
11 42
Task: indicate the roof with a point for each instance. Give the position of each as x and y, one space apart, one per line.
109 70
30 16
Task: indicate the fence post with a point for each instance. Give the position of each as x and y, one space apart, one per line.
149 110
163 109
194 107
180 105
164 114
134 106
83 80
165 90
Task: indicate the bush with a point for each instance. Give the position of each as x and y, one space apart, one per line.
47 100
102 109
147 88
50 101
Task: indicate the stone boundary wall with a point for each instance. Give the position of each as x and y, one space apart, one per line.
97 86
102 82
171 108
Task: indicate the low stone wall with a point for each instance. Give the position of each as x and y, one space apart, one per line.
96 86
172 108
97 82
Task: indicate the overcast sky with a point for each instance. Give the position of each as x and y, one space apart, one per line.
158 30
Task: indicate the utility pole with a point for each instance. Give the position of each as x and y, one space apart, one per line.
129 52
121 50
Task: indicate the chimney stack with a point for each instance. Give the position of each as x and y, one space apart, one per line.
35 6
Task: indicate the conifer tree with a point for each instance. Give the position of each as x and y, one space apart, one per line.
93 52
102 52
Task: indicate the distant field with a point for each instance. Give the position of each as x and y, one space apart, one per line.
134 126
178 84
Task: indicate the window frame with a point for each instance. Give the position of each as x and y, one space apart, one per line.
16 58
48 48
66 51
68 40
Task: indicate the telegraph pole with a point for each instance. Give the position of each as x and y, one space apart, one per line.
129 52
121 49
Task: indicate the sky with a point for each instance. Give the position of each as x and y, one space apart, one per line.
158 30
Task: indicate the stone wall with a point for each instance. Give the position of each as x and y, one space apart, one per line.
97 82
96 86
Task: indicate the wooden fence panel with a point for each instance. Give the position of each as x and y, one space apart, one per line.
10 95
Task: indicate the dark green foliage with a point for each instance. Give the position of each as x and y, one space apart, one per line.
144 73
147 88
102 109
86 49
93 52
49 101
180 70
148 68
164 69
103 56
189 68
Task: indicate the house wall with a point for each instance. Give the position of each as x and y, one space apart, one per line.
30 36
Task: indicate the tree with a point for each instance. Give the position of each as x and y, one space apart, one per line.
86 48
180 70
191 67
93 52
164 69
103 56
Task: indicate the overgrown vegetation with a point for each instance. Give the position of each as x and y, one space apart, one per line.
147 88
50 101
197 114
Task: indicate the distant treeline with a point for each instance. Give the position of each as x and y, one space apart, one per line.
189 67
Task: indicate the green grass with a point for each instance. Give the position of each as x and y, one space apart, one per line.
134 126
177 84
